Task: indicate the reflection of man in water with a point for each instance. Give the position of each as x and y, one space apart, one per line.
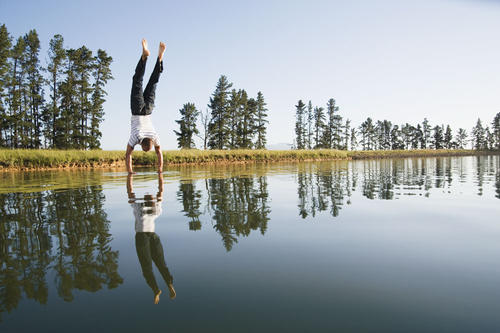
147 242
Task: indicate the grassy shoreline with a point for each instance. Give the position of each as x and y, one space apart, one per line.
25 159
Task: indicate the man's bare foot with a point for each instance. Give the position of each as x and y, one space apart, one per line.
157 297
145 51
161 50
171 290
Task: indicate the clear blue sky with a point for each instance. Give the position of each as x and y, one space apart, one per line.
386 59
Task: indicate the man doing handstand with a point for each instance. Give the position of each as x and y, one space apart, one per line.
142 103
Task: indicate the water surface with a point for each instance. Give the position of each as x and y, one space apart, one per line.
375 245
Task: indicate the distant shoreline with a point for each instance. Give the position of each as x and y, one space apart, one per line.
26 160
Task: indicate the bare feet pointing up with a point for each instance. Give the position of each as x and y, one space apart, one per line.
145 51
161 50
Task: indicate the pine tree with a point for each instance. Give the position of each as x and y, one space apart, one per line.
426 131
448 138
347 133
437 142
57 57
247 124
68 106
5 45
299 124
310 121
407 135
478 136
383 130
332 134
418 138
397 142
461 138
354 139
379 135
490 139
17 93
101 74
83 62
241 126
319 126
413 137
233 117
368 134
337 130
34 90
261 121
218 127
495 125
187 126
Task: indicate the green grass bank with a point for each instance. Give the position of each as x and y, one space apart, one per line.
25 159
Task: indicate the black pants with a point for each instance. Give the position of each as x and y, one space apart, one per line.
142 103
149 250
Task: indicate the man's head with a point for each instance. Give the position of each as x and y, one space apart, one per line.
147 144
149 200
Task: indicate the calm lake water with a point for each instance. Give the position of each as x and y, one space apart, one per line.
403 245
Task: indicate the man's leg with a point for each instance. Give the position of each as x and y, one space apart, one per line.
136 95
149 92
159 259
143 248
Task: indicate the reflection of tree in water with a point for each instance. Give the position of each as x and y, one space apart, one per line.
82 258
389 179
25 250
487 167
191 202
385 180
322 190
497 184
239 205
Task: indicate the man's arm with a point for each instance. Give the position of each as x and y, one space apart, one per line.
159 195
128 159
130 188
160 158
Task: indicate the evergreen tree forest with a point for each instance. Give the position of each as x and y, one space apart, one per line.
56 105
233 120
323 127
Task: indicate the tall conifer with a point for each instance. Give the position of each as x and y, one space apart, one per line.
101 75
218 127
319 126
34 91
57 56
187 126
5 45
299 124
261 121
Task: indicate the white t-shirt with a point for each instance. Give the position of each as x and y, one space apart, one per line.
142 127
145 216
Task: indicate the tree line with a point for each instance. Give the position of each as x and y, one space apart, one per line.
317 127
233 120
74 79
